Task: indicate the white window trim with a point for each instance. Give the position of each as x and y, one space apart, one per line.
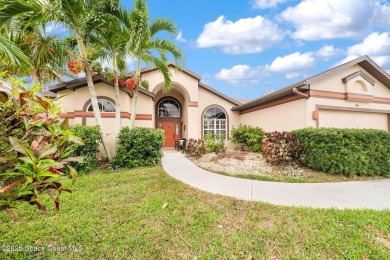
102 99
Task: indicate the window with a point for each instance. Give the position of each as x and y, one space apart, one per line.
215 121
168 108
104 106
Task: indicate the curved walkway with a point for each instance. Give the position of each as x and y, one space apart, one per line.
355 195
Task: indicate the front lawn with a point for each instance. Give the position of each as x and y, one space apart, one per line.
145 214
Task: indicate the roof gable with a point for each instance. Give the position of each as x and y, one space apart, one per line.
365 62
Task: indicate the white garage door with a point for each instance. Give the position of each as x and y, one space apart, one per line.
348 119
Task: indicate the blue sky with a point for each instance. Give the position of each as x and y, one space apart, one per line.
244 48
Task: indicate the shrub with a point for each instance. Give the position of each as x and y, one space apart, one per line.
34 148
196 148
249 137
280 147
140 146
345 151
89 151
213 144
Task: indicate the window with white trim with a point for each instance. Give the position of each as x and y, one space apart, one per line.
168 108
215 121
104 106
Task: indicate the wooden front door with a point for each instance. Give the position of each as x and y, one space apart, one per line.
172 132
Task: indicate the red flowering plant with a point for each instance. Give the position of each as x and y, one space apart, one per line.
75 66
34 148
131 83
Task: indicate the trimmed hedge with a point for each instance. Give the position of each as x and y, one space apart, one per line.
89 151
348 152
140 146
249 137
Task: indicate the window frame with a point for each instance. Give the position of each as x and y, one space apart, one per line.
214 125
172 101
100 100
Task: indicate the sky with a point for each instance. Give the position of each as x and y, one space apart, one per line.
247 48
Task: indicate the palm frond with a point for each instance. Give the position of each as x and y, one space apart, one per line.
160 25
12 55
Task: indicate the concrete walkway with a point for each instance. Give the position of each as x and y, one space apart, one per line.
354 195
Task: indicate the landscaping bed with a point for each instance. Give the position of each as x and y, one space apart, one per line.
145 214
253 166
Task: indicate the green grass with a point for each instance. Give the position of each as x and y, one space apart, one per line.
120 215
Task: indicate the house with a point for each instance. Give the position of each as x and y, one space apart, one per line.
353 95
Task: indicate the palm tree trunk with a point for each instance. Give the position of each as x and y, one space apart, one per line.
117 101
135 97
92 93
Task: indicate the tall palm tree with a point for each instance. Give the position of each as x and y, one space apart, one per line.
110 44
143 44
80 16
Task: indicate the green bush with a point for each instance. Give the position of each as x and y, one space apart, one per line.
140 146
89 151
213 144
280 147
348 152
249 137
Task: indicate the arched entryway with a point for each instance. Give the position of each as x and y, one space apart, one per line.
169 114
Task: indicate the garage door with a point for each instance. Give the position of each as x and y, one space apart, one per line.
348 119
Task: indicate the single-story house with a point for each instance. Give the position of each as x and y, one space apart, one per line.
353 95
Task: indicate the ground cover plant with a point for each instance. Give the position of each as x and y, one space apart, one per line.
145 214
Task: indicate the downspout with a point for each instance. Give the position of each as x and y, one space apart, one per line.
297 92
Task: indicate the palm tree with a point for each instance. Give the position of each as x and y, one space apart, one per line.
143 43
109 43
11 56
48 55
80 16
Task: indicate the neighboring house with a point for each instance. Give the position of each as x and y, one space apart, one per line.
353 95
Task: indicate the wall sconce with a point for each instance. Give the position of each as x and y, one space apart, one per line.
184 127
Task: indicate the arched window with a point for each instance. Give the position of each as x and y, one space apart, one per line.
215 121
168 108
104 106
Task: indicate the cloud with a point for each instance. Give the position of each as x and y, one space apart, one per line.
376 46
264 4
180 38
240 75
327 52
294 65
382 15
327 19
55 28
249 35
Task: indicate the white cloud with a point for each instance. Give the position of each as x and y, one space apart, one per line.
376 46
327 19
240 75
249 35
55 28
264 4
294 65
180 37
328 51
382 15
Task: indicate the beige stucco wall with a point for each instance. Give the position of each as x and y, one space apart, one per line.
75 101
333 83
187 82
285 117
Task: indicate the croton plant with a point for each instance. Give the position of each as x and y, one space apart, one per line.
34 147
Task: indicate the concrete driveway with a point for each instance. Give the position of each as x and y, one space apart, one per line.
352 195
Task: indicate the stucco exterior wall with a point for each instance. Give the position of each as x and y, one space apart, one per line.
285 117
